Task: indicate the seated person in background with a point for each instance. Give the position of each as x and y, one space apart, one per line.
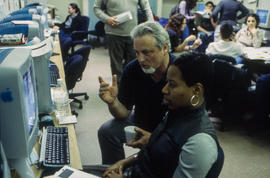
226 45
185 143
175 26
140 87
206 26
185 7
250 36
72 22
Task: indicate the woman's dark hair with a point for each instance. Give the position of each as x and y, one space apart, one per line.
196 68
210 2
190 4
257 18
175 22
226 30
75 6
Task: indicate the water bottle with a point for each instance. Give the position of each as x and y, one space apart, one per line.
60 99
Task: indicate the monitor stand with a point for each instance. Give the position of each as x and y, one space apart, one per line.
22 167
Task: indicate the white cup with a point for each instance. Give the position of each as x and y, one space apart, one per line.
130 134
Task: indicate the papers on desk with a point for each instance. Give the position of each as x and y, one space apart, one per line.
68 120
262 53
68 172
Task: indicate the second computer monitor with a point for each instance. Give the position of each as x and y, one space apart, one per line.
18 103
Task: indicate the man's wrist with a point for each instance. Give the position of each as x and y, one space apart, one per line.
111 104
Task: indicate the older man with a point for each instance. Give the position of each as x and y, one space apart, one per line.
140 88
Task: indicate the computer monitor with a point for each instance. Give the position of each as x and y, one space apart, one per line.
39 9
40 19
200 6
4 168
18 108
264 15
28 28
41 53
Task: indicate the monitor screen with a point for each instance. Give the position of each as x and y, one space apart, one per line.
263 15
18 102
200 7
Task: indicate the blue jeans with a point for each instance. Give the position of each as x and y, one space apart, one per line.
111 137
205 40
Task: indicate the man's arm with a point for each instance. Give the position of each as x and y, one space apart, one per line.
108 93
99 12
145 6
118 110
243 10
217 10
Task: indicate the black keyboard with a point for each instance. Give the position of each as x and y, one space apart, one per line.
54 74
55 147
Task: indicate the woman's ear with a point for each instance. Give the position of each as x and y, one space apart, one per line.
198 88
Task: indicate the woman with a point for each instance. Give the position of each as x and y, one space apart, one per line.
175 26
250 36
184 7
73 20
184 144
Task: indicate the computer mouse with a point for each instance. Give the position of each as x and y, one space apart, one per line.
46 119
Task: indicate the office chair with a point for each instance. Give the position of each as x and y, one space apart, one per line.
70 40
74 68
99 33
229 59
230 97
81 36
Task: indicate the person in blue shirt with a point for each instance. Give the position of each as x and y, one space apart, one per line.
227 11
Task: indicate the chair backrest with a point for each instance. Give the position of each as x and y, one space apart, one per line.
75 66
99 29
81 34
85 23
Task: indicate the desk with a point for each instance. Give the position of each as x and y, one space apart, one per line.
259 59
75 159
262 53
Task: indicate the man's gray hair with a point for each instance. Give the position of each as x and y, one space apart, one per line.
155 30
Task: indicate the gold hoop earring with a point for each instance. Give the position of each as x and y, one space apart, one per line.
192 98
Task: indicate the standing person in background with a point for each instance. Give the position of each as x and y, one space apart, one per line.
184 7
250 36
228 10
206 26
118 37
175 26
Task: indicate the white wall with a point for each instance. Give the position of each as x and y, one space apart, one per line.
62 7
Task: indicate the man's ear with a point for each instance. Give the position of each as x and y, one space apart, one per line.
166 48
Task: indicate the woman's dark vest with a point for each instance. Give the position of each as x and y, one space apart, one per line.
160 157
